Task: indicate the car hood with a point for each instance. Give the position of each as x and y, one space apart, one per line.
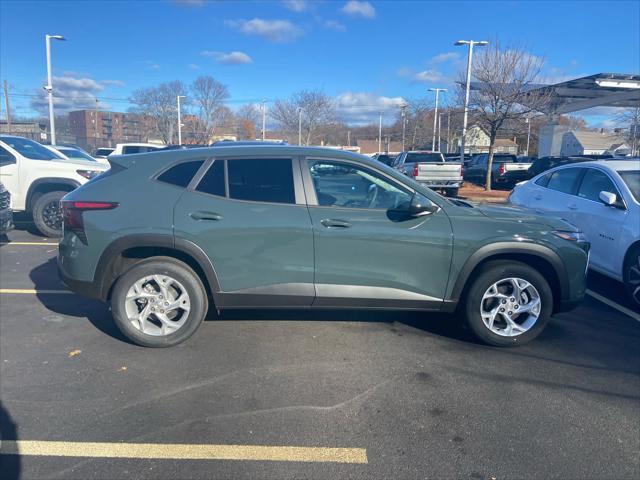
85 164
524 215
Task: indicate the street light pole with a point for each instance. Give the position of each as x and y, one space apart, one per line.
299 126
404 122
528 135
435 116
440 131
179 120
380 134
471 43
264 118
49 87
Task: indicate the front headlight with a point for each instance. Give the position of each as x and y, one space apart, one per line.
570 236
88 174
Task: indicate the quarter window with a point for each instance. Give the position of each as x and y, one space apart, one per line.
564 180
213 181
594 182
345 185
543 180
181 174
261 180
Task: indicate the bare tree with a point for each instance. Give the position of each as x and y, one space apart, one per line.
248 118
208 95
160 105
629 119
318 110
504 77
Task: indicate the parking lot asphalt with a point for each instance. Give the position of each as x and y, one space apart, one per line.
351 394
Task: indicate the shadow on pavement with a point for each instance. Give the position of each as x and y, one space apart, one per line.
9 464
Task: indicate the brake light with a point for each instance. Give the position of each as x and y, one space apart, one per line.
414 172
501 169
72 215
462 170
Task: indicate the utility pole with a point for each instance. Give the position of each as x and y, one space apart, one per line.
349 138
95 126
440 131
6 103
471 43
299 125
528 135
380 134
404 122
49 86
448 129
435 115
179 120
264 118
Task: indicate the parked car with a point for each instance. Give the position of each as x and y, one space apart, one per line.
6 214
603 199
384 158
130 148
506 171
260 226
76 153
430 169
38 178
102 152
543 164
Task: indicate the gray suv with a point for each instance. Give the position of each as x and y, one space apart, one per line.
165 236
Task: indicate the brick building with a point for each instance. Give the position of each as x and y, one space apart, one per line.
94 129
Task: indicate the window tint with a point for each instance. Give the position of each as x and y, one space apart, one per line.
344 185
261 180
213 181
5 157
543 180
130 149
632 180
424 157
30 149
594 182
180 174
564 180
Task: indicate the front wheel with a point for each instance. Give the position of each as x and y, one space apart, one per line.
159 302
509 303
47 215
632 276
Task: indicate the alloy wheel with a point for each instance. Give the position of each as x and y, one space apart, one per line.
157 305
633 278
510 307
52 216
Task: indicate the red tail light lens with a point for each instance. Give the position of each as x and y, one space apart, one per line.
501 169
414 172
72 215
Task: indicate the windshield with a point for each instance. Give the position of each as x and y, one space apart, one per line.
632 180
77 154
30 149
505 158
424 157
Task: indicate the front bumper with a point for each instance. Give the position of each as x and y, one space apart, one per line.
6 220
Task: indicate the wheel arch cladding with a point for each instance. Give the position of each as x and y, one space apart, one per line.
46 185
541 258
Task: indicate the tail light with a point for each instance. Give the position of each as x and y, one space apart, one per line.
72 215
501 169
414 172
462 170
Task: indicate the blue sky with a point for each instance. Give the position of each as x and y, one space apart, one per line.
364 53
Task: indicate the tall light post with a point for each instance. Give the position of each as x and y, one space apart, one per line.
440 131
264 118
528 135
471 43
299 125
380 134
49 86
435 116
403 107
179 120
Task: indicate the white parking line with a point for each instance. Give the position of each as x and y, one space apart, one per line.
29 243
612 304
30 291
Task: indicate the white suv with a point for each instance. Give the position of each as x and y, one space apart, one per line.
602 199
38 178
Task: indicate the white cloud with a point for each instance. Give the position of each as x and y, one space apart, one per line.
296 5
362 107
272 30
152 65
114 83
445 57
335 25
189 3
69 93
194 66
359 9
230 58
430 76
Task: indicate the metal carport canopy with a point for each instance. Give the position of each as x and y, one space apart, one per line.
599 90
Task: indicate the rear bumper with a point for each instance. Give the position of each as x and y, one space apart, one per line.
87 289
440 183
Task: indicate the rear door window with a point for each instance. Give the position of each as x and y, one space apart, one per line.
565 180
594 182
181 174
261 180
213 181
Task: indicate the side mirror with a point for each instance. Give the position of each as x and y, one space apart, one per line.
608 198
6 159
419 206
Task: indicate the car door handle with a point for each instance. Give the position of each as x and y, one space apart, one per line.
331 223
205 216
572 207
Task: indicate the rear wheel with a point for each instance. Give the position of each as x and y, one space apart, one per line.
159 302
632 275
47 215
509 303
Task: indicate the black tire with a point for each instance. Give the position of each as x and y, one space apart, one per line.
46 213
632 275
160 266
451 192
491 273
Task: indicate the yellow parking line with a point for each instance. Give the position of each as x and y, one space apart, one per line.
183 451
29 243
27 291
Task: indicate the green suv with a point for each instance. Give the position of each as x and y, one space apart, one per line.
165 235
